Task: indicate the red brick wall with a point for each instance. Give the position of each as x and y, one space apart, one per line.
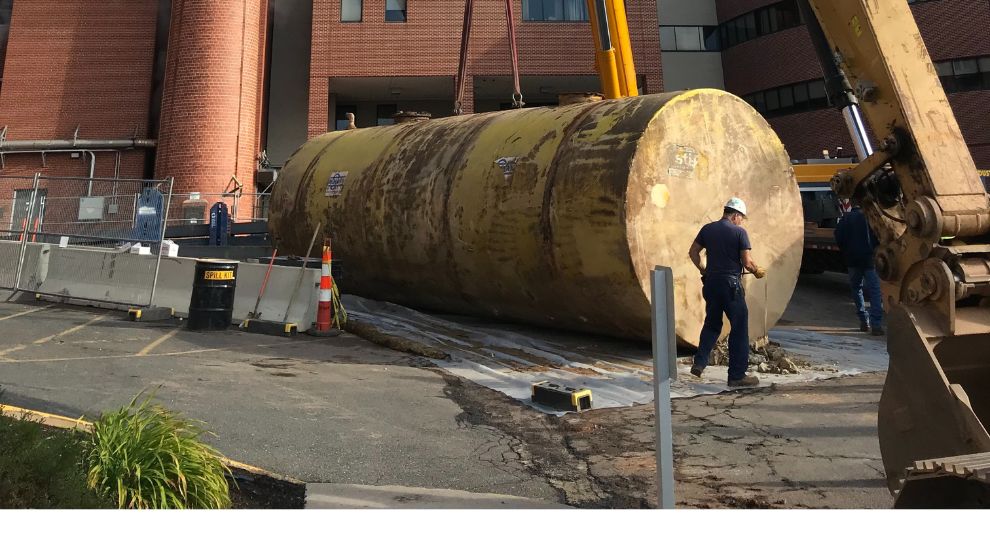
972 109
951 29
210 109
428 44
807 133
86 64
954 28
770 61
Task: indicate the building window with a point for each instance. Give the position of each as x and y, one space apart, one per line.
386 113
395 11
555 10
6 9
679 38
760 22
350 10
790 99
964 74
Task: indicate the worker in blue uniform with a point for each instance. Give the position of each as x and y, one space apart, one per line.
858 244
728 253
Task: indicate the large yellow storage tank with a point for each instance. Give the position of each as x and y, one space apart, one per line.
549 216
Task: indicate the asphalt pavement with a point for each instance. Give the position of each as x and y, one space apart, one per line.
338 410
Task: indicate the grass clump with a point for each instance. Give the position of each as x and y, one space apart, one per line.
144 456
42 468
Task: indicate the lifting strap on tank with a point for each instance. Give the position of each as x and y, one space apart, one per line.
462 65
517 98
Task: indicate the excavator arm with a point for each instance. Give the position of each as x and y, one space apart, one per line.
923 195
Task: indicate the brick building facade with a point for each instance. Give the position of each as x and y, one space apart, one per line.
782 63
217 82
421 54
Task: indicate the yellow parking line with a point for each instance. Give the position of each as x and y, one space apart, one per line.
12 349
154 344
70 331
3 353
123 356
25 312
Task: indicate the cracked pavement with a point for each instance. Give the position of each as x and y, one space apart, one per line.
346 411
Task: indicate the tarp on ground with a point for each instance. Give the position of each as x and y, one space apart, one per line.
510 358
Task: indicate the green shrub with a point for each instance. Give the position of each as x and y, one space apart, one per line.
42 468
144 456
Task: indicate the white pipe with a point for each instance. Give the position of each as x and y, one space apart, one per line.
75 145
92 173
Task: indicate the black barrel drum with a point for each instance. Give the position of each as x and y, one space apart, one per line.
211 307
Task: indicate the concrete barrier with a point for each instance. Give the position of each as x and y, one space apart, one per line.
108 278
175 284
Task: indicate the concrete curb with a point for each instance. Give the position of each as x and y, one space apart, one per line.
351 496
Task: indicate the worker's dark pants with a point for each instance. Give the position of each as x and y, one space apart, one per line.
866 279
724 295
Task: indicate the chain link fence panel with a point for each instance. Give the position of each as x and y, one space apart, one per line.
95 239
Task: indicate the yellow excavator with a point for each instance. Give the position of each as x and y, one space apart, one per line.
927 203
923 195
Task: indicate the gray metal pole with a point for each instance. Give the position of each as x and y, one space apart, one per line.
664 371
161 240
24 233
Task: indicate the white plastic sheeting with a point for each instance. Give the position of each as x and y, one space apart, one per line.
510 358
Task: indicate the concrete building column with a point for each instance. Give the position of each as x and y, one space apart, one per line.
211 114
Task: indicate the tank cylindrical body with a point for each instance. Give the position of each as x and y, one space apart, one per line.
550 216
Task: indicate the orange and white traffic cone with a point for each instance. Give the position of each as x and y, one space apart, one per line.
324 315
324 312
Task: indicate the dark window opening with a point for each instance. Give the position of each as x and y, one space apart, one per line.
395 11
964 74
790 99
555 10
682 38
760 22
385 113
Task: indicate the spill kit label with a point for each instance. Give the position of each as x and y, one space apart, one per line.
218 275
508 166
335 185
682 160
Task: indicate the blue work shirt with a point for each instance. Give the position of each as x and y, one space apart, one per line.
856 239
723 243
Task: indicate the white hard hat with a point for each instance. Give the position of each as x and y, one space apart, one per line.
736 204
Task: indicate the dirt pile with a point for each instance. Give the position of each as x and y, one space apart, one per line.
765 356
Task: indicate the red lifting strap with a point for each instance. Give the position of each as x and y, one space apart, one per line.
517 98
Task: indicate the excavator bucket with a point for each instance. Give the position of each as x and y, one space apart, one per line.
934 409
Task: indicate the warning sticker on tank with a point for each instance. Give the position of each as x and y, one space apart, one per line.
508 166
335 185
682 161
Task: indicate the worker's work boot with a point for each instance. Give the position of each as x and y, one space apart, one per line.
697 371
747 381
864 327
877 331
